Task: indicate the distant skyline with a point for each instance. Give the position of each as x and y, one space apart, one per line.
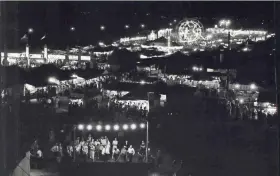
55 18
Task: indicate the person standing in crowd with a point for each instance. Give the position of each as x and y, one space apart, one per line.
77 146
85 150
103 141
115 154
60 152
130 153
89 138
39 158
70 150
123 154
107 149
126 144
55 150
97 148
115 146
91 150
142 151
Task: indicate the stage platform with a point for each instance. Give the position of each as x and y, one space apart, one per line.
104 169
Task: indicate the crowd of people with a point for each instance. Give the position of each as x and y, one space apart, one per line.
101 149
187 80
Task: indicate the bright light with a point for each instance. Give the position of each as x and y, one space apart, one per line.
200 69
72 28
126 26
30 30
142 25
125 126
133 126
107 127
89 127
195 68
225 23
253 86
101 44
81 127
52 80
74 76
170 24
228 22
116 127
216 26
142 82
102 28
142 125
98 127
241 101
237 86
175 21
245 49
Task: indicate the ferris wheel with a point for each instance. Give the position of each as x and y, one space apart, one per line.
189 31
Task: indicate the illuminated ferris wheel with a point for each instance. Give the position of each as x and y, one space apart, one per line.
189 31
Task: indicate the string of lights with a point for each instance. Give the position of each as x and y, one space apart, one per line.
110 127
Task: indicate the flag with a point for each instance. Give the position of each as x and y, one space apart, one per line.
43 37
25 37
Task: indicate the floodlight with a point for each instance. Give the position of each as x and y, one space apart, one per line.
81 127
116 127
89 127
107 127
125 126
133 126
98 127
142 125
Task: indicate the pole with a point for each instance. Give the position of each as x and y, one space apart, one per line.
229 47
74 149
46 53
3 115
27 55
276 64
147 140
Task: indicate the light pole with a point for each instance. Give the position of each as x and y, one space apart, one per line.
29 32
27 51
72 30
73 145
147 140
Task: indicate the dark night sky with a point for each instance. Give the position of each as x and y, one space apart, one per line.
56 17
